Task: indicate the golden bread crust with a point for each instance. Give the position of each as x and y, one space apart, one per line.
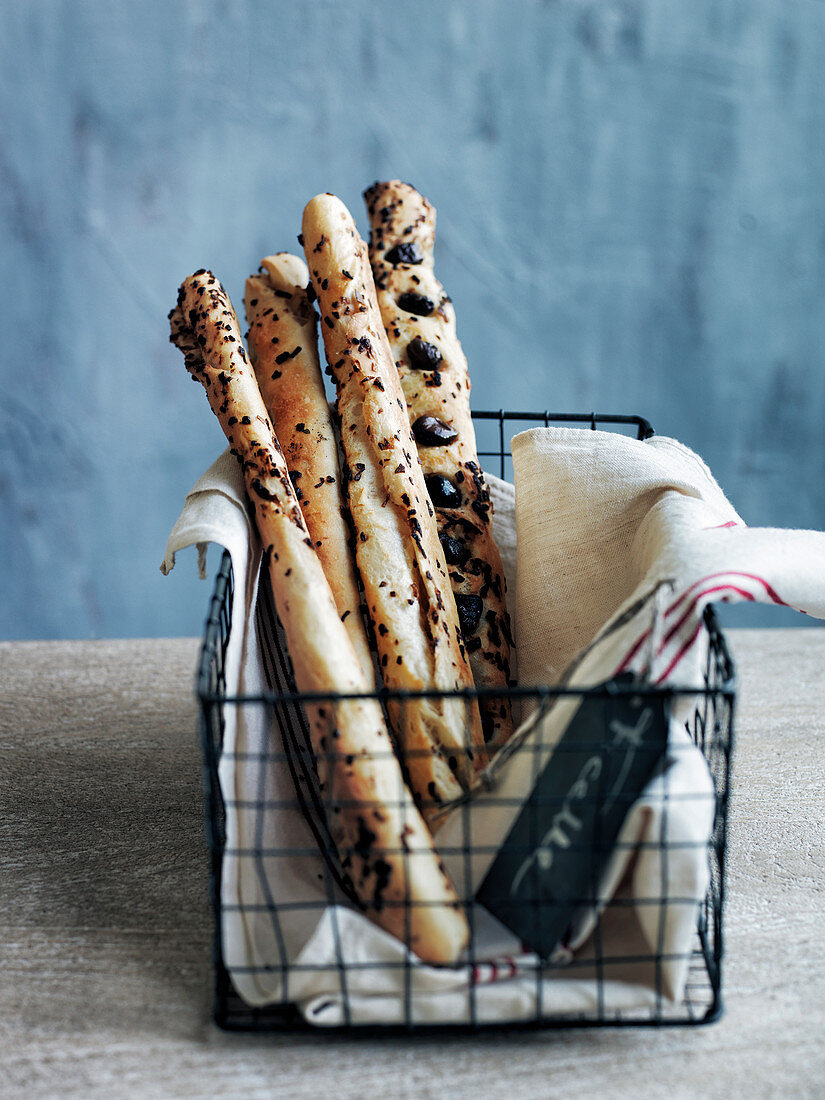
436 383
283 347
398 553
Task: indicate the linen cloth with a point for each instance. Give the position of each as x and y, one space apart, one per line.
608 531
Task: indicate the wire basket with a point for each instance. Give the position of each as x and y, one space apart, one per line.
704 716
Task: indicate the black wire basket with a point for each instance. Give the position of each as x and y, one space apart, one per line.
703 714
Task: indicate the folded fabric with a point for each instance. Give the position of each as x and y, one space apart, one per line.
602 519
607 530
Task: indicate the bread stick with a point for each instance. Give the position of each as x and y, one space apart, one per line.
383 843
283 347
420 324
399 557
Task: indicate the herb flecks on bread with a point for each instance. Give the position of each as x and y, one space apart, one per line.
400 559
419 320
283 345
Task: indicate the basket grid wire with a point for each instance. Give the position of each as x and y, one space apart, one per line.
710 728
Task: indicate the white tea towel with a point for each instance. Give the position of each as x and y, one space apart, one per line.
595 528
621 545
602 519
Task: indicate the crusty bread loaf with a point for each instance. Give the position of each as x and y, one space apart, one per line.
420 323
399 556
283 347
382 840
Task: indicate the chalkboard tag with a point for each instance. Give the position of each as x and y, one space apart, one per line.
548 868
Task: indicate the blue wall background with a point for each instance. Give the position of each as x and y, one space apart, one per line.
631 199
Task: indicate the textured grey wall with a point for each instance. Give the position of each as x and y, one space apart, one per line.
631 199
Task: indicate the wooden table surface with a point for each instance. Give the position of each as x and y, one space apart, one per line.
105 985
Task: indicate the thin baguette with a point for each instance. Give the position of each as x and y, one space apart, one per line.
283 347
398 553
419 320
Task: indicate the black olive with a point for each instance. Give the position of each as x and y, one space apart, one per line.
469 613
423 356
295 477
416 303
442 492
456 552
429 431
366 839
488 727
404 254
262 491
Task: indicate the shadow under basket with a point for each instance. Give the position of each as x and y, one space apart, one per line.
702 715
